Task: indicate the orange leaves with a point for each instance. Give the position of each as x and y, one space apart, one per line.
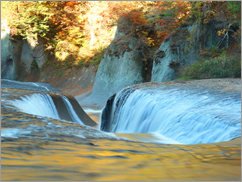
59 27
71 3
137 17
61 34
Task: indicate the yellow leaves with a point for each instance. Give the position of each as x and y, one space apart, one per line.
150 41
210 12
143 32
221 32
209 15
61 55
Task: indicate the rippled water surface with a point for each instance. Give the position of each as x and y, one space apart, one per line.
46 149
73 158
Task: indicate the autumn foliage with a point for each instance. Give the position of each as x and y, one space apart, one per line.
82 28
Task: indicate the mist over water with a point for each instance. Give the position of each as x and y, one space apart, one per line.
187 118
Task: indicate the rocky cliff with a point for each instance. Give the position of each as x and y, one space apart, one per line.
183 47
17 56
121 65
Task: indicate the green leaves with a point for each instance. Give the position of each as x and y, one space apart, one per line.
33 18
234 6
219 67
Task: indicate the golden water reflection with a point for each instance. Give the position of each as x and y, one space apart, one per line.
108 160
56 154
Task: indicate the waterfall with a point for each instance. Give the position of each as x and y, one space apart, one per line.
37 104
71 110
181 115
54 106
43 105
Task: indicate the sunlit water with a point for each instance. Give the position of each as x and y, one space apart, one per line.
38 148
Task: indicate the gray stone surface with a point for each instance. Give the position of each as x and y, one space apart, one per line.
36 49
26 57
182 48
18 55
8 65
116 73
121 66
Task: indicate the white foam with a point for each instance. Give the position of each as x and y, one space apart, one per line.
40 86
162 139
89 110
13 132
37 104
71 110
179 116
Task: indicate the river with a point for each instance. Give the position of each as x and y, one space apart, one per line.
47 148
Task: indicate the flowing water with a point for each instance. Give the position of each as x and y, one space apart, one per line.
147 140
71 111
181 116
37 104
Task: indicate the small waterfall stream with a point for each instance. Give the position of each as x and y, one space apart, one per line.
37 104
180 115
71 110
43 105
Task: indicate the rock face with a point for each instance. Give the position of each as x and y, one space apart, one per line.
17 56
33 50
8 66
64 113
75 82
182 47
121 66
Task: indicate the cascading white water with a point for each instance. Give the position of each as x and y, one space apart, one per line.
71 110
180 115
37 104
43 105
